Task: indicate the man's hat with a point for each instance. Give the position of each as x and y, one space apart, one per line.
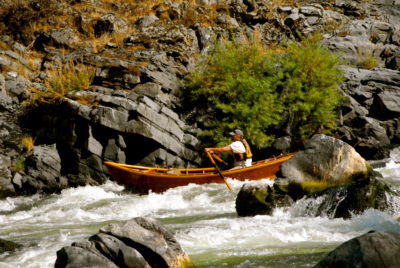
236 132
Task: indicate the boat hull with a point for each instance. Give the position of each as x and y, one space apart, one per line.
144 179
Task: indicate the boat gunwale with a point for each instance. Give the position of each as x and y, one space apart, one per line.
141 170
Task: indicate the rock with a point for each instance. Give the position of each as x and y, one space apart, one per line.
60 38
6 186
110 23
112 152
283 144
140 242
6 101
6 246
365 119
373 249
147 21
17 86
364 193
43 171
324 159
206 38
258 198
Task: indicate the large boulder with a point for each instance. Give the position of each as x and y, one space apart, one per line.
373 249
140 242
324 159
329 170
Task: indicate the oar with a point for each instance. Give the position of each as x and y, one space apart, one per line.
219 171
219 159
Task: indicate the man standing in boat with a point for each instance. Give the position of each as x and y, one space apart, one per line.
239 148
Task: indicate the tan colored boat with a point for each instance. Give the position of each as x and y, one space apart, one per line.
142 179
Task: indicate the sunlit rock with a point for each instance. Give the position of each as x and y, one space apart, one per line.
324 159
140 242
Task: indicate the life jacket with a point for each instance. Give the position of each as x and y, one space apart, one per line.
245 155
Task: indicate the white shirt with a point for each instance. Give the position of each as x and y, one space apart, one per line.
238 147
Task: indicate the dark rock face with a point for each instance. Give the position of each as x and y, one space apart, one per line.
370 120
373 249
42 171
132 111
140 242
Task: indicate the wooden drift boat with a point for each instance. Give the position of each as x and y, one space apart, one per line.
142 179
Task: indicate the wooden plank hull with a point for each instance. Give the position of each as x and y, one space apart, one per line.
143 179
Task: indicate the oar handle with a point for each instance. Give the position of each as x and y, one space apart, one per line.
219 171
218 158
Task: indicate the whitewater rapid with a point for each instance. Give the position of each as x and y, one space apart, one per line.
202 217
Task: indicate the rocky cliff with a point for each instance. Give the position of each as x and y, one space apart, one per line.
140 52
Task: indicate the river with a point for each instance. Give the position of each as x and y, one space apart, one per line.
202 217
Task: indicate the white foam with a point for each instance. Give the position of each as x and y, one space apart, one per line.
203 218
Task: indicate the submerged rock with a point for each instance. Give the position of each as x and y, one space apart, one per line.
7 246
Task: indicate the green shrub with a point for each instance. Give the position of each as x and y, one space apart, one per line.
244 85
310 83
232 85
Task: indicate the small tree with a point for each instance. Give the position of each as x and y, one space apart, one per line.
244 85
310 87
231 87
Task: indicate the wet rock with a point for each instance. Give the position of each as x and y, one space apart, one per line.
6 246
257 198
373 249
140 242
364 193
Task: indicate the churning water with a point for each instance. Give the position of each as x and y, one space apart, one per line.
202 217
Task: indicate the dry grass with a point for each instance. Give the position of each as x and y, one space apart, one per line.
27 143
4 45
281 3
116 38
69 77
367 59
